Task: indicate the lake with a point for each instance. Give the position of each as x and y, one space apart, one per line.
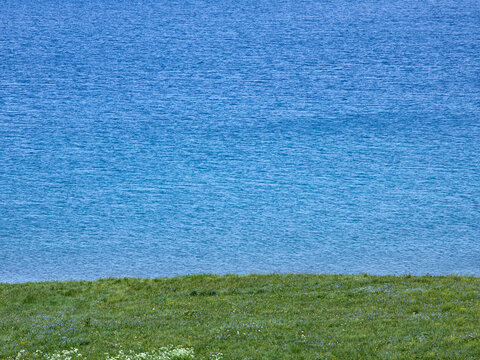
161 138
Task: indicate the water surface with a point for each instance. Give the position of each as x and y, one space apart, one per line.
159 138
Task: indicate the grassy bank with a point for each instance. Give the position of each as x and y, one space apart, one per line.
248 317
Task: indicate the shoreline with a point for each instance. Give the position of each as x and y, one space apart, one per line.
453 275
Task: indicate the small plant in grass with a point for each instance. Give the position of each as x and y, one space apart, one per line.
164 353
70 354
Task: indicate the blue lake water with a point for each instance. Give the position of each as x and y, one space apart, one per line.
159 138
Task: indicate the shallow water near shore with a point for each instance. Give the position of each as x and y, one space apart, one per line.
167 138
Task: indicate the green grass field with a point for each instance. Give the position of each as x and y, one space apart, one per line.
248 317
